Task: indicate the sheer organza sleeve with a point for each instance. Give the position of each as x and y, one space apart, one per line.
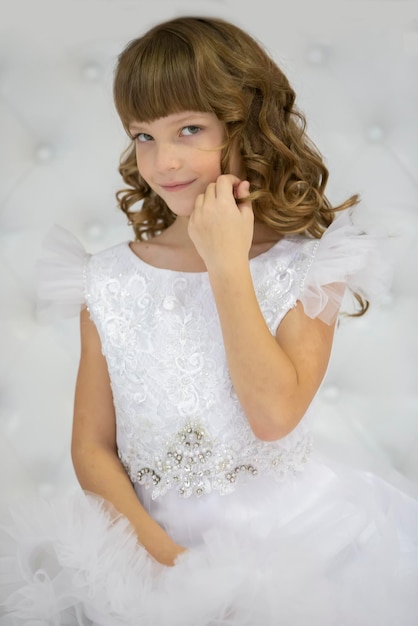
346 257
61 276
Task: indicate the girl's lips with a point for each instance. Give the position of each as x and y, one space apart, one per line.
177 186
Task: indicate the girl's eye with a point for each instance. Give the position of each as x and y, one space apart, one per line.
191 130
143 137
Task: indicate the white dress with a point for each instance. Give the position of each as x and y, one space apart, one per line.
277 535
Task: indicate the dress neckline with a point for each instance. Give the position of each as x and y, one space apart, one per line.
167 270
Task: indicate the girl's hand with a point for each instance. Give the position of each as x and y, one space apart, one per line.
169 557
222 230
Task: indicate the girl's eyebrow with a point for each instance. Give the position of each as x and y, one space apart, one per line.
134 126
181 120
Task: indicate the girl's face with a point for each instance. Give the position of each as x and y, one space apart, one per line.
179 155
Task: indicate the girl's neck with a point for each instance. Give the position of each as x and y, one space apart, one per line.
173 249
178 236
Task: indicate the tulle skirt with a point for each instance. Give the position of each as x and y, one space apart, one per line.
331 546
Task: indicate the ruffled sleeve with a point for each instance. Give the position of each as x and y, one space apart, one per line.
346 256
61 276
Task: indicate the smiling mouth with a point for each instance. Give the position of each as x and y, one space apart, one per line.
177 186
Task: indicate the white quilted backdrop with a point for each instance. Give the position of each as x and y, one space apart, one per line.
354 64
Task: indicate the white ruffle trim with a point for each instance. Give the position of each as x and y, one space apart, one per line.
60 559
349 559
60 275
346 256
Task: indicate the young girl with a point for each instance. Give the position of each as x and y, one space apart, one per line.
203 344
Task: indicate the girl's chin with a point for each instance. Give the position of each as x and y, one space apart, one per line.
178 212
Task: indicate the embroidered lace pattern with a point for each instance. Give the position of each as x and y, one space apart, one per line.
179 423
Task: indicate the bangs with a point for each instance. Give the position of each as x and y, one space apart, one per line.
157 76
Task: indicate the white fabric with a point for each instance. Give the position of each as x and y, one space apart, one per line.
276 534
159 329
331 548
60 275
346 255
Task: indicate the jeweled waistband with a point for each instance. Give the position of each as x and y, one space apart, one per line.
194 463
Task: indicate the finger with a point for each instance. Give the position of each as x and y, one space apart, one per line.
229 178
199 201
210 191
242 189
226 183
242 192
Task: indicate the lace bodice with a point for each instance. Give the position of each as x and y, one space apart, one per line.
179 422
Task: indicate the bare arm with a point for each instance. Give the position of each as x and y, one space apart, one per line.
93 448
275 378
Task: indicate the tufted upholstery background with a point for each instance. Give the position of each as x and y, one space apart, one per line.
354 65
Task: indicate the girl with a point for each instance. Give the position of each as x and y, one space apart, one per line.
203 344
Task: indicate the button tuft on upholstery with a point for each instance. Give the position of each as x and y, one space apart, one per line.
94 230
316 54
44 153
331 393
375 133
91 72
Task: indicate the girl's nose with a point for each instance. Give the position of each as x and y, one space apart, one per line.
167 157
